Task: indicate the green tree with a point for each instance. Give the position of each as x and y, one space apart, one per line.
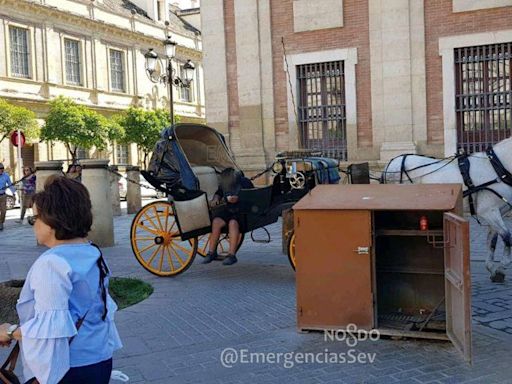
13 117
77 126
143 127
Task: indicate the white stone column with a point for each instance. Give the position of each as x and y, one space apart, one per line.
114 191
397 60
95 177
248 143
133 196
45 169
214 64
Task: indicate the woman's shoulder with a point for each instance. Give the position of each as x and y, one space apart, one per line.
51 259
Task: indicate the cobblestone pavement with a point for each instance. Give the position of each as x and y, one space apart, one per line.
178 334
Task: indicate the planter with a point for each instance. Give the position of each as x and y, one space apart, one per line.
9 293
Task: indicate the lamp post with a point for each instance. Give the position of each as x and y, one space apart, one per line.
169 77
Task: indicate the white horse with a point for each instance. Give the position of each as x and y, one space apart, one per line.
489 207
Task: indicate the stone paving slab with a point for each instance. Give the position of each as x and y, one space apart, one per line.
178 334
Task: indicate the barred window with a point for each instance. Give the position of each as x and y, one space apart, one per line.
117 73
185 93
321 107
20 53
73 65
483 98
122 154
82 153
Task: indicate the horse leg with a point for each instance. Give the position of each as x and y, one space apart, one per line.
497 226
507 259
492 240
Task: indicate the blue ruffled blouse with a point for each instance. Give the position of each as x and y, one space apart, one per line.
61 287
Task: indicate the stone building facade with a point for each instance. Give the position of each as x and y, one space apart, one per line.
93 52
360 80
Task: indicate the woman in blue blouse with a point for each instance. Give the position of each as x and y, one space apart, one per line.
67 284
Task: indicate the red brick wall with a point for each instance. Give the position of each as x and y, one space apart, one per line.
441 21
355 33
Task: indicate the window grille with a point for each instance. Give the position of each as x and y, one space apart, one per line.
321 107
82 153
117 73
73 67
20 53
483 96
185 94
122 154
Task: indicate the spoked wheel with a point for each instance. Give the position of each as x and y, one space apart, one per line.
291 251
156 241
222 247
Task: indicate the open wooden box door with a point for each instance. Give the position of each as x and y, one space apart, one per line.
458 283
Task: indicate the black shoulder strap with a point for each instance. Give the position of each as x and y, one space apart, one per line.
104 272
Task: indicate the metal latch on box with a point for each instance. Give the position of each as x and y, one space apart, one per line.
362 250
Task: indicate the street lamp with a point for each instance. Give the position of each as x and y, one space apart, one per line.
169 78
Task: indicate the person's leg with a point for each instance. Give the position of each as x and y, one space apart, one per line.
234 235
23 208
3 209
217 226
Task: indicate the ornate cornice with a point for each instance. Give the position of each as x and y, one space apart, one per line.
41 13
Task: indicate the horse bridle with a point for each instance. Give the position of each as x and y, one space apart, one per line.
464 165
502 172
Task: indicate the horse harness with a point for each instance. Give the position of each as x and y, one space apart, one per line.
464 165
503 176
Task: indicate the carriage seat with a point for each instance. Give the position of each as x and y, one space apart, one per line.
208 180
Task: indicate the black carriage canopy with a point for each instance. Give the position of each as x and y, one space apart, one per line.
182 147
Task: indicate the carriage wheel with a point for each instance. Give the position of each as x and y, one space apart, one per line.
291 251
222 248
156 241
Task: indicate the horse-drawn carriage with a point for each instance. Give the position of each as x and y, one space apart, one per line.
166 235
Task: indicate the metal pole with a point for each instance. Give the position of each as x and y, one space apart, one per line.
20 165
20 160
169 82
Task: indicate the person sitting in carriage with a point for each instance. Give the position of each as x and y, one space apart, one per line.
231 182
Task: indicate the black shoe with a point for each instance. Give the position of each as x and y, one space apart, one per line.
1 227
230 260
210 256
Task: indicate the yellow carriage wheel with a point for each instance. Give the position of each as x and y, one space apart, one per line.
156 241
291 251
222 247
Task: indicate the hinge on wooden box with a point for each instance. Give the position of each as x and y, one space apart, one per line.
298 221
300 311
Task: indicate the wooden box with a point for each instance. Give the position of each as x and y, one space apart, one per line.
362 259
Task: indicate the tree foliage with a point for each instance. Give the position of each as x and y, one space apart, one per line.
77 126
13 117
143 127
